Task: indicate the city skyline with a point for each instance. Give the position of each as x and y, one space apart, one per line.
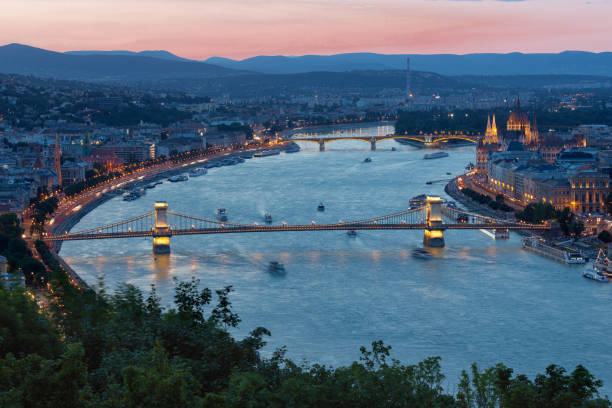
241 29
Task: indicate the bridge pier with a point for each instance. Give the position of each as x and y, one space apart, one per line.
321 145
161 232
373 144
434 234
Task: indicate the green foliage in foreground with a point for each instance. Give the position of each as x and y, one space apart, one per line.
96 349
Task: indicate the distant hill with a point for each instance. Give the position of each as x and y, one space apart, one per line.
162 54
565 63
26 60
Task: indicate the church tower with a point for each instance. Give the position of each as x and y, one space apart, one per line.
491 133
57 160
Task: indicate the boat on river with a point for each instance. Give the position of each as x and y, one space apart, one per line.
176 179
418 201
276 267
367 160
593 273
267 153
320 207
558 253
436 155
222 214
197 172
351 233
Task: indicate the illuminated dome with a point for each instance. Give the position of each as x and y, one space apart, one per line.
518 119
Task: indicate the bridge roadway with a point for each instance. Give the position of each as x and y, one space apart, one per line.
288 228
428 139
162 224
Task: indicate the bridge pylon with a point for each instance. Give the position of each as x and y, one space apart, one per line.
161 231
373 144
434 233
321 145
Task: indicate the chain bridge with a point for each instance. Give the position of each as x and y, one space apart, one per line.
433 217
427 140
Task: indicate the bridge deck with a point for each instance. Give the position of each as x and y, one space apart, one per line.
288 228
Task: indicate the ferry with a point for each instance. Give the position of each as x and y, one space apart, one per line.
130 197
351 233
197 172
421 253
561 254
277 267
367 160
176 179
266 153
418 201
268 218
591 272
436 155
320 207
222 214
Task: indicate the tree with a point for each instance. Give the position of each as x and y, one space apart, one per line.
605 236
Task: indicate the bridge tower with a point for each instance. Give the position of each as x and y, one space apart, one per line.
161 231
434 233
373 144
321 145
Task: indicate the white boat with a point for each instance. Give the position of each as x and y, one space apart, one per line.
593 273
436 155
197 172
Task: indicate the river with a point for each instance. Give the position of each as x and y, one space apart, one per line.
479 300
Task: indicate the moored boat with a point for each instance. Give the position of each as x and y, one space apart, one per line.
197 172
558 253
593 273
418 201
436 155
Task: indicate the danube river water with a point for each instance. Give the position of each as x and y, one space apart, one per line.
479 300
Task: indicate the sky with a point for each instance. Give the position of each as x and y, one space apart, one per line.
200 29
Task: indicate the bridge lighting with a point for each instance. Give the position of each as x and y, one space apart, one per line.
284 223
255 223
403 221
313 222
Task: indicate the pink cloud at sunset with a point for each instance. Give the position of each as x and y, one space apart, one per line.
243 28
